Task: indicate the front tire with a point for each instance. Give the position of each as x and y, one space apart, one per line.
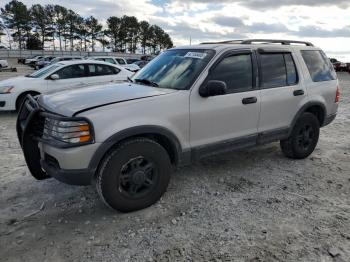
304 138
134 175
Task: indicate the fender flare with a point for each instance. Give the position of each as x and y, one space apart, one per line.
132 132
303 109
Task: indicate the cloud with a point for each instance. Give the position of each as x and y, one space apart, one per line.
266 4
313 31
318 21
228 21
102 9
268 28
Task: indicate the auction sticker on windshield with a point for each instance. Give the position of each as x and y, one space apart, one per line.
196 55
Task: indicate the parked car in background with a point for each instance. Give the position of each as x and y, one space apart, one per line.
21 60
57 77
132 60
43 62
348 67
141 63
339 66
147 57
3 63
117 61
65 58
32 61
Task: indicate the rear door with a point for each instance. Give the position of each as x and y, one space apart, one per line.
282 92
99 73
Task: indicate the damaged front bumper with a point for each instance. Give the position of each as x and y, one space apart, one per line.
43 156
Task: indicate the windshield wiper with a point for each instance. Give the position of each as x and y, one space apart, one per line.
130 80
146 82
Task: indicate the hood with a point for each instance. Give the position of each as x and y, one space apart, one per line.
13 81
73 102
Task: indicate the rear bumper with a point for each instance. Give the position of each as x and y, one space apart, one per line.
329 119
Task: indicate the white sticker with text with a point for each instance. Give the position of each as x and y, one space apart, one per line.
196 55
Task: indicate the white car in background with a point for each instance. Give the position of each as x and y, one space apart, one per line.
118 61
3 63
58 77
33 60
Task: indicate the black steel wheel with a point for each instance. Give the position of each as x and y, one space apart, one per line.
134 175
303 139
138 177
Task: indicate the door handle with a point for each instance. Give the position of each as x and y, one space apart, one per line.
249 100
298 92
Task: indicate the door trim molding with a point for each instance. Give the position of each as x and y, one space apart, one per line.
232 144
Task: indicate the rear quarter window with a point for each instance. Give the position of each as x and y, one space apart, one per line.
319 66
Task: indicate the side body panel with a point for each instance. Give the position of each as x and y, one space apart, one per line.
322 92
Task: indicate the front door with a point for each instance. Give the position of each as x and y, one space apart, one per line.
70 77
229 120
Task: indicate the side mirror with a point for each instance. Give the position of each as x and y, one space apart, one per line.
213 88
54 77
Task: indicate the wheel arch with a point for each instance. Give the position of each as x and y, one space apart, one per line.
23 94
314 107
162 135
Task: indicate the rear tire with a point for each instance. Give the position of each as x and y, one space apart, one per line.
134 175
303 140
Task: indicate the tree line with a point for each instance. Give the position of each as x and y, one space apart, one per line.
63 29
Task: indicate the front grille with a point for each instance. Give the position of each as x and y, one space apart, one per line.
38 126
31 118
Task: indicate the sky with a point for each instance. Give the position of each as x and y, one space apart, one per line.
326 23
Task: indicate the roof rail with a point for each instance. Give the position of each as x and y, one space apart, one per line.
264 41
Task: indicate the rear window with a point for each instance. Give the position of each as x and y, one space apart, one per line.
120 61
278 70
319 66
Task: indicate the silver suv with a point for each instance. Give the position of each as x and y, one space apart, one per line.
188 103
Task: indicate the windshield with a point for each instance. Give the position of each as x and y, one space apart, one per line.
55 60
175 69
44 71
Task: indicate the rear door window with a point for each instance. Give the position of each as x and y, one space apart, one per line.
102 70
319 66
277 70
292 75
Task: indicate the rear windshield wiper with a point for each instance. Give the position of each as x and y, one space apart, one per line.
146 82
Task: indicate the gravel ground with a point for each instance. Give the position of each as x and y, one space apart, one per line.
249 205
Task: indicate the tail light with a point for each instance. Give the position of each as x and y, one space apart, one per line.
337 95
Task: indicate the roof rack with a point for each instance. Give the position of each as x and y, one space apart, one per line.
263 41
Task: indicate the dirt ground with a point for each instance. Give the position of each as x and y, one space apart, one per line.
248 205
